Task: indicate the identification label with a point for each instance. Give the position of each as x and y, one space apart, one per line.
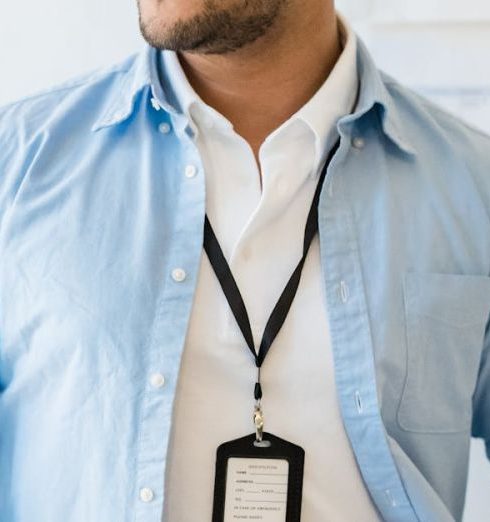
258 483
256 489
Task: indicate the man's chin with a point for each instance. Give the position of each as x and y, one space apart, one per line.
164 14
205 27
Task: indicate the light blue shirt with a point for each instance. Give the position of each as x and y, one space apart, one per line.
96 214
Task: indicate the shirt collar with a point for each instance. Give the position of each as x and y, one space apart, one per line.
144 70
182 95
375 95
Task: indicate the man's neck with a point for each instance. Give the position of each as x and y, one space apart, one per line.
260 86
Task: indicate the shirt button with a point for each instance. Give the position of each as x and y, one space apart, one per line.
164 128
155 104
178 274
146 494
358 142
157 380
190 171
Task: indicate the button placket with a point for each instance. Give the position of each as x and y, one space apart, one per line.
168 329
351 342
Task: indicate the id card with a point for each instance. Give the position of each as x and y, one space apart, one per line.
260 483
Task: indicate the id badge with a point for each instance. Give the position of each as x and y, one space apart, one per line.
258 481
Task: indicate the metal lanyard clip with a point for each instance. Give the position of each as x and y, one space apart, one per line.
258 418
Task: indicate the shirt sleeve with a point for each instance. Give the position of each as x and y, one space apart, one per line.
481 396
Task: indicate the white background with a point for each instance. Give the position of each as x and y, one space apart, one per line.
439 47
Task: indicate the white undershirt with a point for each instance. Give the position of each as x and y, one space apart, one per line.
261 233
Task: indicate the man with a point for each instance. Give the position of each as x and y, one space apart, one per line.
128 352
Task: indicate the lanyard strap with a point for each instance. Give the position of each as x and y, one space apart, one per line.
232 293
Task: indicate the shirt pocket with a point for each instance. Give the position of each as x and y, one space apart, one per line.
445 318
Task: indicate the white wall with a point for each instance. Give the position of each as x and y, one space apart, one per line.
43 42
440 47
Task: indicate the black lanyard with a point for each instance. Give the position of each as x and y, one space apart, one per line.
281 309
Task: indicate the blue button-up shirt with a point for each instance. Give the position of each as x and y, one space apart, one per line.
95 214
